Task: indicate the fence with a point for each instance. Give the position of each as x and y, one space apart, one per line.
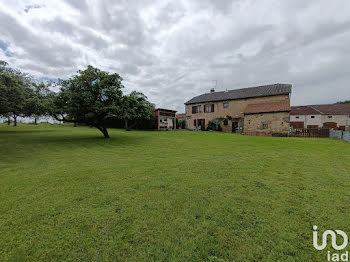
310 132
338 134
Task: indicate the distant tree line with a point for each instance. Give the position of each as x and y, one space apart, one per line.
91 97
344 102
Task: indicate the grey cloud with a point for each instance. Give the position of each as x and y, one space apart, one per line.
172 50
29 7
78 4
81 35
40 51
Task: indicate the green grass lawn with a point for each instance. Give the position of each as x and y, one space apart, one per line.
68 194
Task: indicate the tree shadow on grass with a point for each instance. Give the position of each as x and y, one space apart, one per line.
89 139
34 144
20 131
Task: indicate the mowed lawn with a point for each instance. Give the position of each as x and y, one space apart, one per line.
68 194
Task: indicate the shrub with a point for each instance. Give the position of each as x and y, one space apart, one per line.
214 124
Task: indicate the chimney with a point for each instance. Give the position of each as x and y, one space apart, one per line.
212 90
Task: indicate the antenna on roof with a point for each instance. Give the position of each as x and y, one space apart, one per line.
212 90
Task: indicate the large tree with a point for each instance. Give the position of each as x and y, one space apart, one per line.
92 96
39 101
135 108
13 94
16 89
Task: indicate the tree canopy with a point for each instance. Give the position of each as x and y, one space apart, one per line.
135 108
14 89
39 101
92 97
20 95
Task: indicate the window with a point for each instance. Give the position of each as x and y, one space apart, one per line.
225 104
209 108
225 122
297 117
196 109
265 126
330 116
312 116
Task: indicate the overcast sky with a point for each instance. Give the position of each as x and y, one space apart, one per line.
173 50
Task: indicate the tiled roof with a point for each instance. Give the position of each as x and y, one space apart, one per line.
183 115
163 109
303 110
258 91
271 107
331 109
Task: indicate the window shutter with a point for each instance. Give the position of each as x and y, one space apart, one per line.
195 122
212 107
194 109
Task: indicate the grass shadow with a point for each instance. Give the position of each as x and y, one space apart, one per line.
24 131
29 143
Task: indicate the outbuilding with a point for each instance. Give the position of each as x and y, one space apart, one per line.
267 118
165 119
336 116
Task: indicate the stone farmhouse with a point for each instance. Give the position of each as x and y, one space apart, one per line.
335 116
253 111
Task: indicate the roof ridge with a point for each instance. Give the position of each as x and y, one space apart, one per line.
316 109
241 93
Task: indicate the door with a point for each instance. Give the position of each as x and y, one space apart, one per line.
203 124
330 125
200 124
234 127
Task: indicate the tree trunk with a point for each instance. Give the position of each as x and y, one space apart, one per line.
35 121
14 120
8 120
75 124
104 131
126 125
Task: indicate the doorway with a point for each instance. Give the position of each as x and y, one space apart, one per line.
201 124
234 127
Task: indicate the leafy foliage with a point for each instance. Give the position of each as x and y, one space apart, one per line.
214 124
91 97
14 91
344 102
180 124
39 101
95 98
135 109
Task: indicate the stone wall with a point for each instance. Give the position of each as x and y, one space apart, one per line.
268 123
